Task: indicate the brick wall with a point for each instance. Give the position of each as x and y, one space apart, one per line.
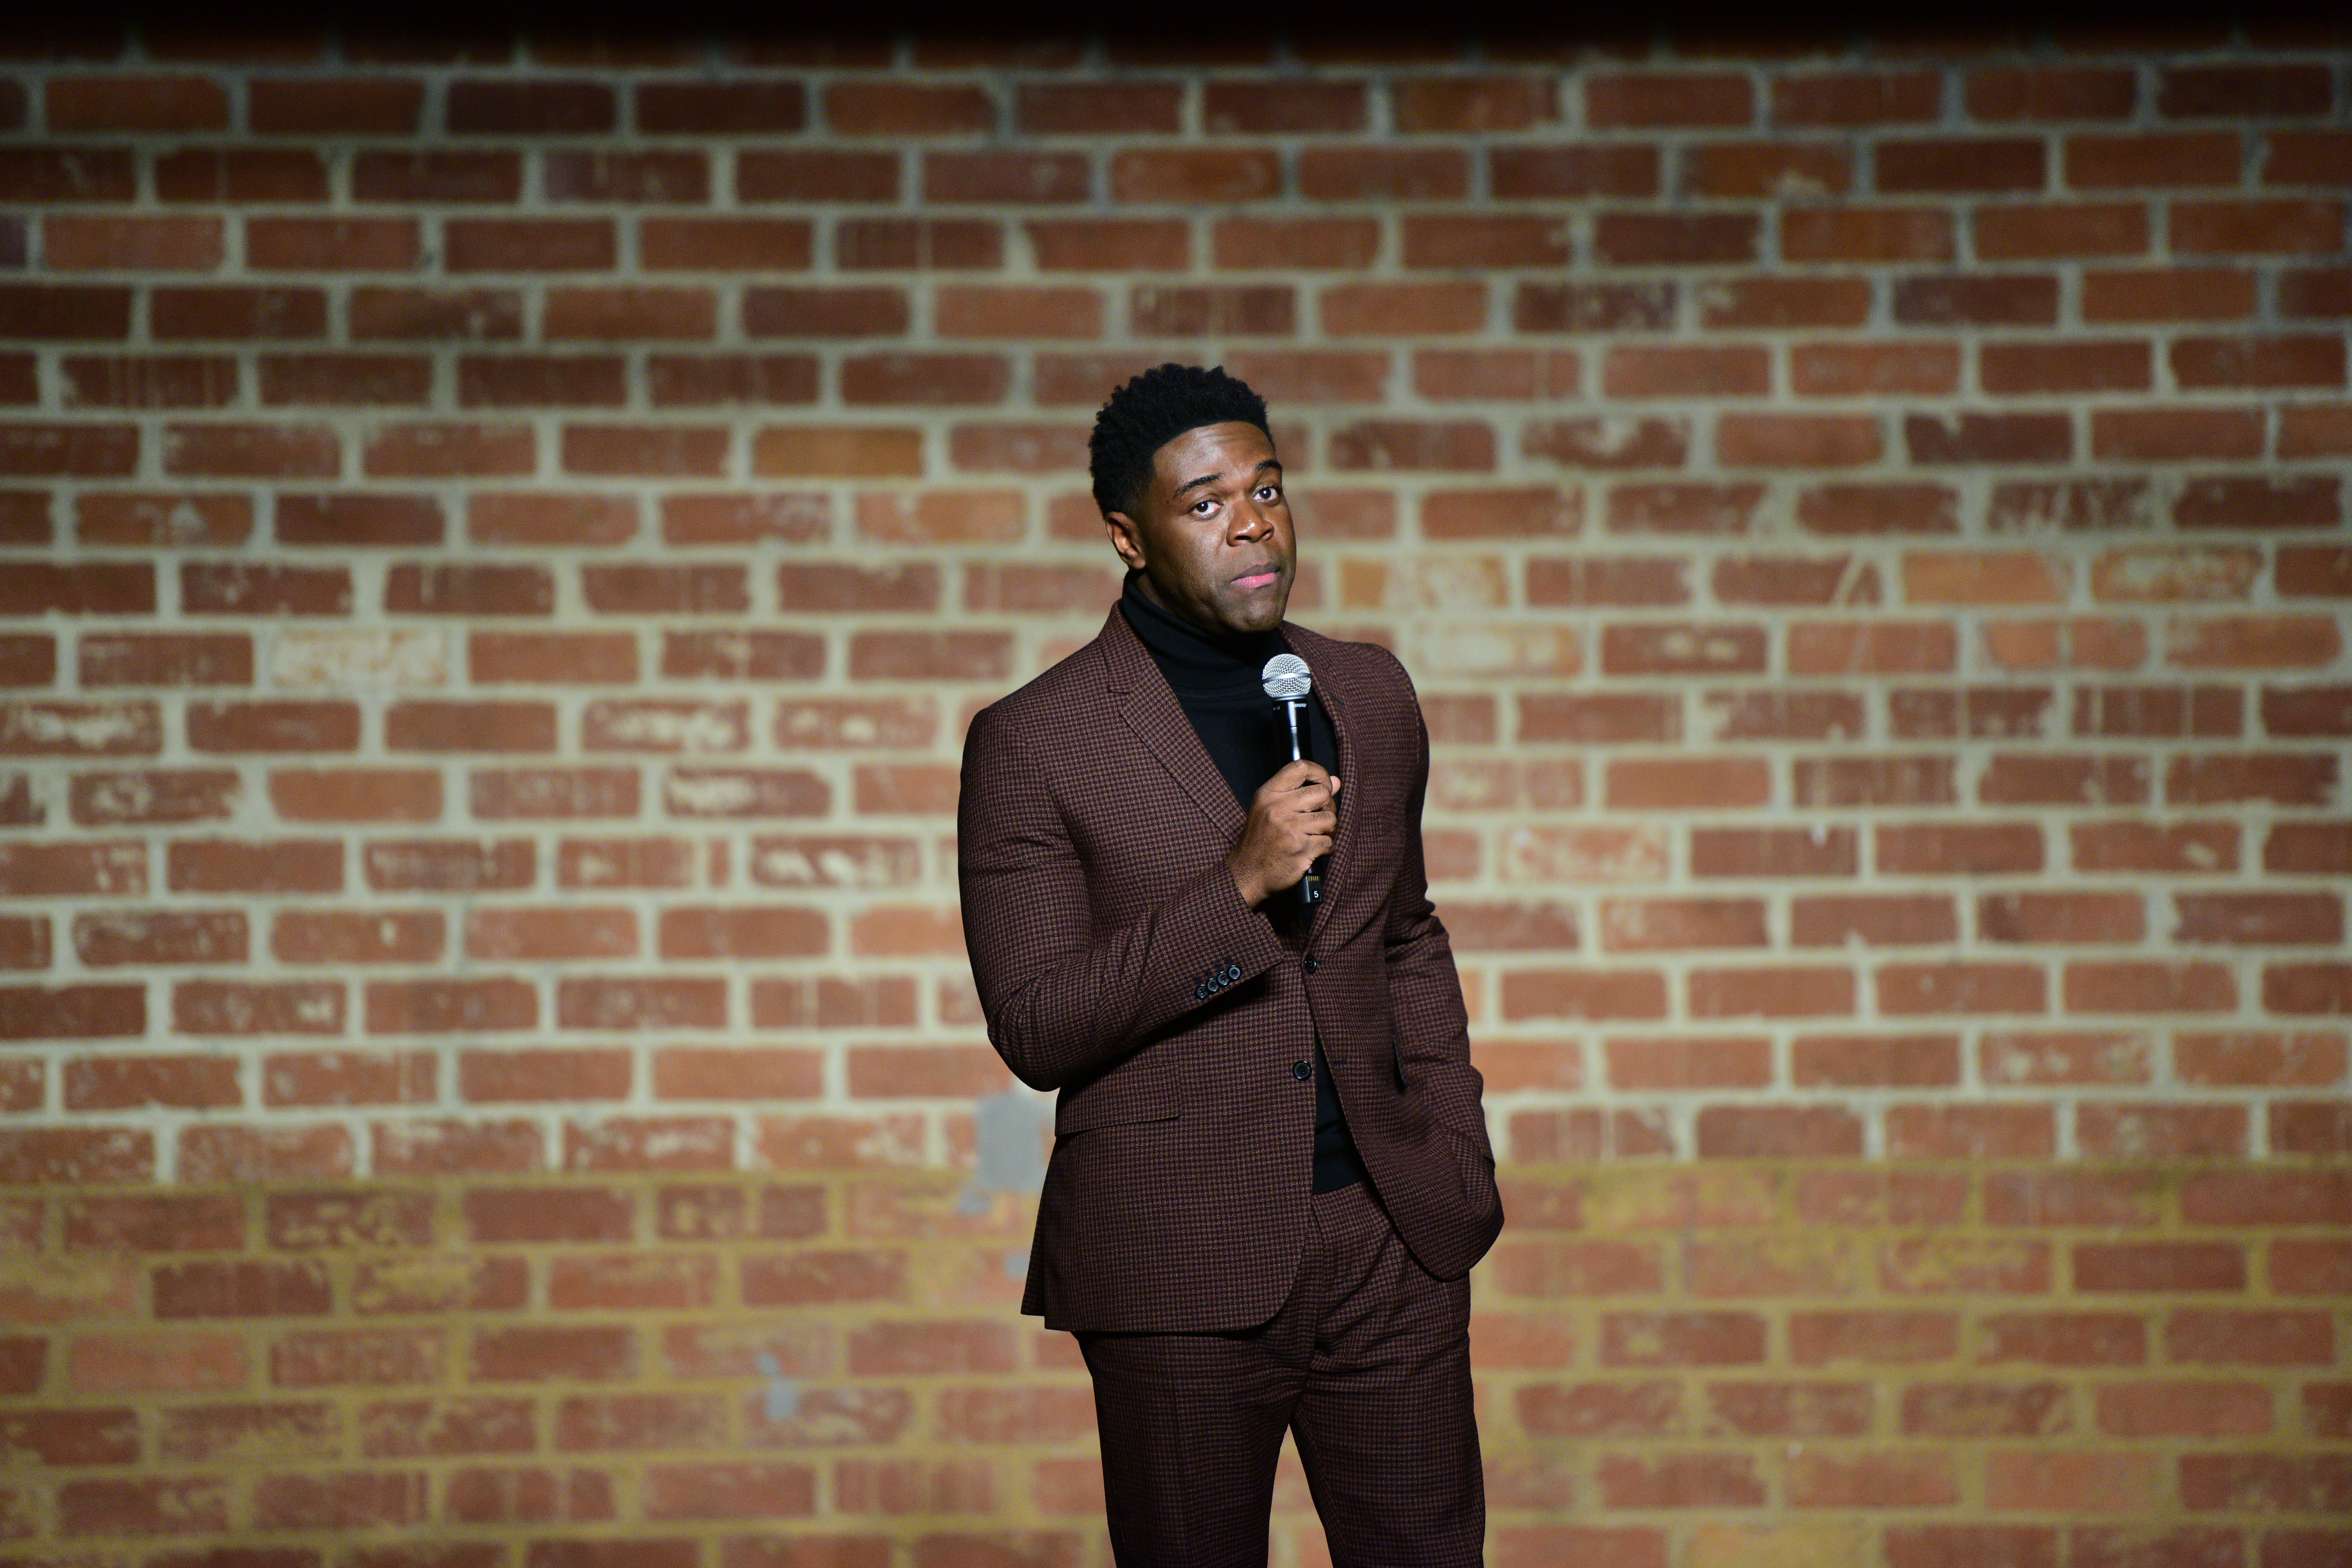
502 542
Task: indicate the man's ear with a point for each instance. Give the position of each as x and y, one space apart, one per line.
1125 538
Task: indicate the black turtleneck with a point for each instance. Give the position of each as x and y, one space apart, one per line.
1217 682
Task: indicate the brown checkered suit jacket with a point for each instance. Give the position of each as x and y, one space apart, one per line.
1099 915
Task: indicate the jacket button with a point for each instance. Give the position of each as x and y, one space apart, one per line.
1200 992
1302 1072
1312 964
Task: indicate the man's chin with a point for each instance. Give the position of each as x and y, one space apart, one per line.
1261 614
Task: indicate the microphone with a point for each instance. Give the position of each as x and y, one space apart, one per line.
1287 680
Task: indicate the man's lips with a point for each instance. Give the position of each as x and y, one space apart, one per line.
1257 577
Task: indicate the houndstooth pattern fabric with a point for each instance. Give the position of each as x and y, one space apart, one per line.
1367 1362
1117 964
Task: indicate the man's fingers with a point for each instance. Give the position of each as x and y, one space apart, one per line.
1291 776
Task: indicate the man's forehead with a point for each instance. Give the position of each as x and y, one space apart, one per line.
1190 449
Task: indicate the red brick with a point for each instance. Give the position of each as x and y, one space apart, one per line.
1760 170
551 658
149 1363
417 1428
348 1077
1473 104
478 727
2116 1200
2274 227
2072 366
1955 165
273 727
854 108
1788 1409
157 1506
541 1353
491 106
75 244
1479 374
152 102
2215 92
2225 1337
669 177
241 1289
2317 1267
2140 1267
271 1153
1318 244
449 451
2252 1057
436 177
1931 439
448 866
2152 986
2062 1339
2015 299
446 1147
1572 169
155 1222
2301 360
1381 309
432 315
81 450
2306 158
866 244
1663 98
2158 160
799 174
1681 1338
1338 174
136 1083
2039 232
1687 1480
2272 919
2169 294
2050 93
1852 233
1650 239
68 311
322 106
2241 1198
1736 1131
1878 1337
2321 1127
635 314
333 245
1258 107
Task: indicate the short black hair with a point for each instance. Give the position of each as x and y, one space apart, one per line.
1152 410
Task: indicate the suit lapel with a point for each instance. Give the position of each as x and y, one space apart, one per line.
1151 711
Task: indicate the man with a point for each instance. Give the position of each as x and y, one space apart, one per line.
1270 1176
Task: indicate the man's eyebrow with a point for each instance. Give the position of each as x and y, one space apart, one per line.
1212 479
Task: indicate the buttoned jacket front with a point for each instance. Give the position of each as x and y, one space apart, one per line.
1118 964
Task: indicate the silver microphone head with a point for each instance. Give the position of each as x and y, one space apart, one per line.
1285 678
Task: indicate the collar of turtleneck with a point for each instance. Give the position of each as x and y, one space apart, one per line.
1195 663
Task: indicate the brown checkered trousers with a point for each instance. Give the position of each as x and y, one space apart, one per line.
1118 964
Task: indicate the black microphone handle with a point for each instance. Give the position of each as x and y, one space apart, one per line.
1308 890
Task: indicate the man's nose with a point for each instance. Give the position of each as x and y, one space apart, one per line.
1248 521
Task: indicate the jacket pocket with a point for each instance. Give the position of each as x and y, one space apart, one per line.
1144 1088
1477 1171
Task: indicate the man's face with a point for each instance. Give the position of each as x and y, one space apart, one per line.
1212 535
